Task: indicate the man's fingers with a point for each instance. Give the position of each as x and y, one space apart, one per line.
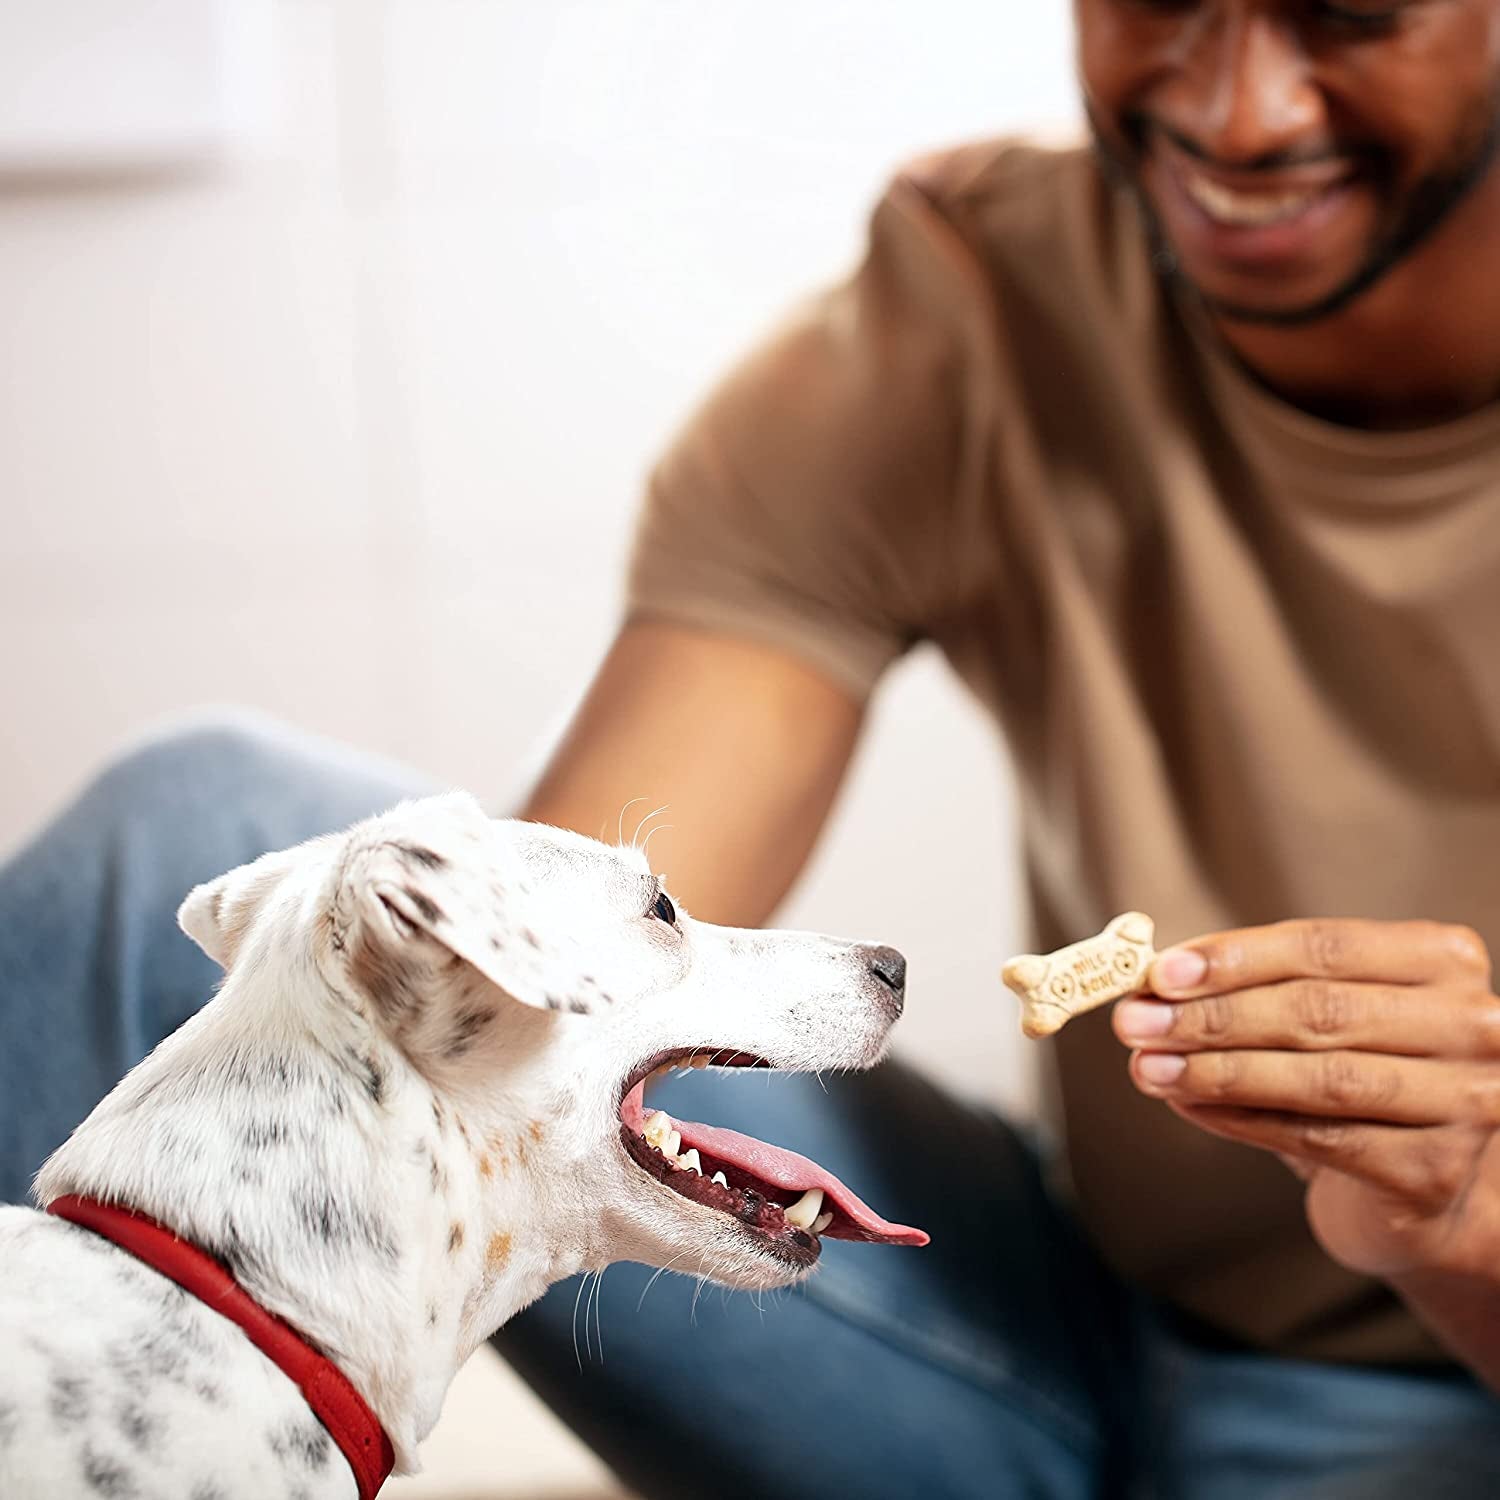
1320 1015
1330 1085
1325 948
1429 1167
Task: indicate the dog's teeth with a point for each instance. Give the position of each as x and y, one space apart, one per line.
658 1128
690 1159
673 1143
805 1209
720 1178
821 1223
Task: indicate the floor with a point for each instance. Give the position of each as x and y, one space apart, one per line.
496 1441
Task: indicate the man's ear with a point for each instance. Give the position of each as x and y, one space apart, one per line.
218 914
438 874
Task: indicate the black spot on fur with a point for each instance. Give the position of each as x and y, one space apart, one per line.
369 1072
428 859
455 1237
302 1443
432 1314
530 938
466 1026
68 1399
578 1007
336 1221
392 982
255 1071
242 1258
108 1476
142 1429
431 912
262 1135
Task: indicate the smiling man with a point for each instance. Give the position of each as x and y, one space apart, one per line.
1185 450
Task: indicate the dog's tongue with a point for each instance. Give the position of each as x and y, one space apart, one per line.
796 1174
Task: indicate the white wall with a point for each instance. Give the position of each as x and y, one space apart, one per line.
402 362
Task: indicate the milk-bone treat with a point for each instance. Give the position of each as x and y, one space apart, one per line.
1055 987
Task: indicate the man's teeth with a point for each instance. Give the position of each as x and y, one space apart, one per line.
1245 210
805 1209
806 1213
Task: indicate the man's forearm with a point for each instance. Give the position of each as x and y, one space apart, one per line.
1463 1312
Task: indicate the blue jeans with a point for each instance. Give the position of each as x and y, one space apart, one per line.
1002 1361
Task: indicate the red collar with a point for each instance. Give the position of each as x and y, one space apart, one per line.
334 1401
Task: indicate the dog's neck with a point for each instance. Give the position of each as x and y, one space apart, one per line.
393 1228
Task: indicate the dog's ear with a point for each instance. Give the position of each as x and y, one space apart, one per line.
436 882
218 914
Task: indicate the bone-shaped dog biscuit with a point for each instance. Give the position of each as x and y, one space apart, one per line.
1055 987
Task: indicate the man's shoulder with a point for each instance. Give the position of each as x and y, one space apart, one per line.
1040 221
1000 170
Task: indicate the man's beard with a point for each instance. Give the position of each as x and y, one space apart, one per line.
1424 209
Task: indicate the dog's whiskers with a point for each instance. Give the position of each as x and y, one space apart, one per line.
578 1296
620 822
702 1278
661 1271
635 842
599 1310
660 828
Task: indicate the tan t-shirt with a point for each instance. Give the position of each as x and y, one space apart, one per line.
1247 662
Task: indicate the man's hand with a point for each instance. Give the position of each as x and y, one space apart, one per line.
1366 1055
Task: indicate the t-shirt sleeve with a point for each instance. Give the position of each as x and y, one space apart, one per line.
806 503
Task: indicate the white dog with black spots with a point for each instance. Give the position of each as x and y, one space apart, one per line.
415 1102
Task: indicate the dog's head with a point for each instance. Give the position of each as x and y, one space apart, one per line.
535 979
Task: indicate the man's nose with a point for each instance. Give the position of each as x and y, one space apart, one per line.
1246 90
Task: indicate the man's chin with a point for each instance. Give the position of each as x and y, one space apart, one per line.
1240 300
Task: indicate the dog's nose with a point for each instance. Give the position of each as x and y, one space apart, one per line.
889 967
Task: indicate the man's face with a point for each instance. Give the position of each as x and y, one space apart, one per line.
1291 152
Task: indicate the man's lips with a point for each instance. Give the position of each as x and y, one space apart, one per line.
1237 215
816 1200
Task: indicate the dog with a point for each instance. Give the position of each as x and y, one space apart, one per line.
414 1103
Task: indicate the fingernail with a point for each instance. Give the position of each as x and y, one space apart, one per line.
1178 969
1140 1018
1160 1068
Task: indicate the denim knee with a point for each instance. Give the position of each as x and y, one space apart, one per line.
234 752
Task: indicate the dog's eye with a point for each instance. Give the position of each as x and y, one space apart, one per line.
663 910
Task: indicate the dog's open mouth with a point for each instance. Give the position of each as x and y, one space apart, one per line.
790 1200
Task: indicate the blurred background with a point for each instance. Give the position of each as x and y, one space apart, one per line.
336 337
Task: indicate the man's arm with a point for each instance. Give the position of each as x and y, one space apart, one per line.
744 744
